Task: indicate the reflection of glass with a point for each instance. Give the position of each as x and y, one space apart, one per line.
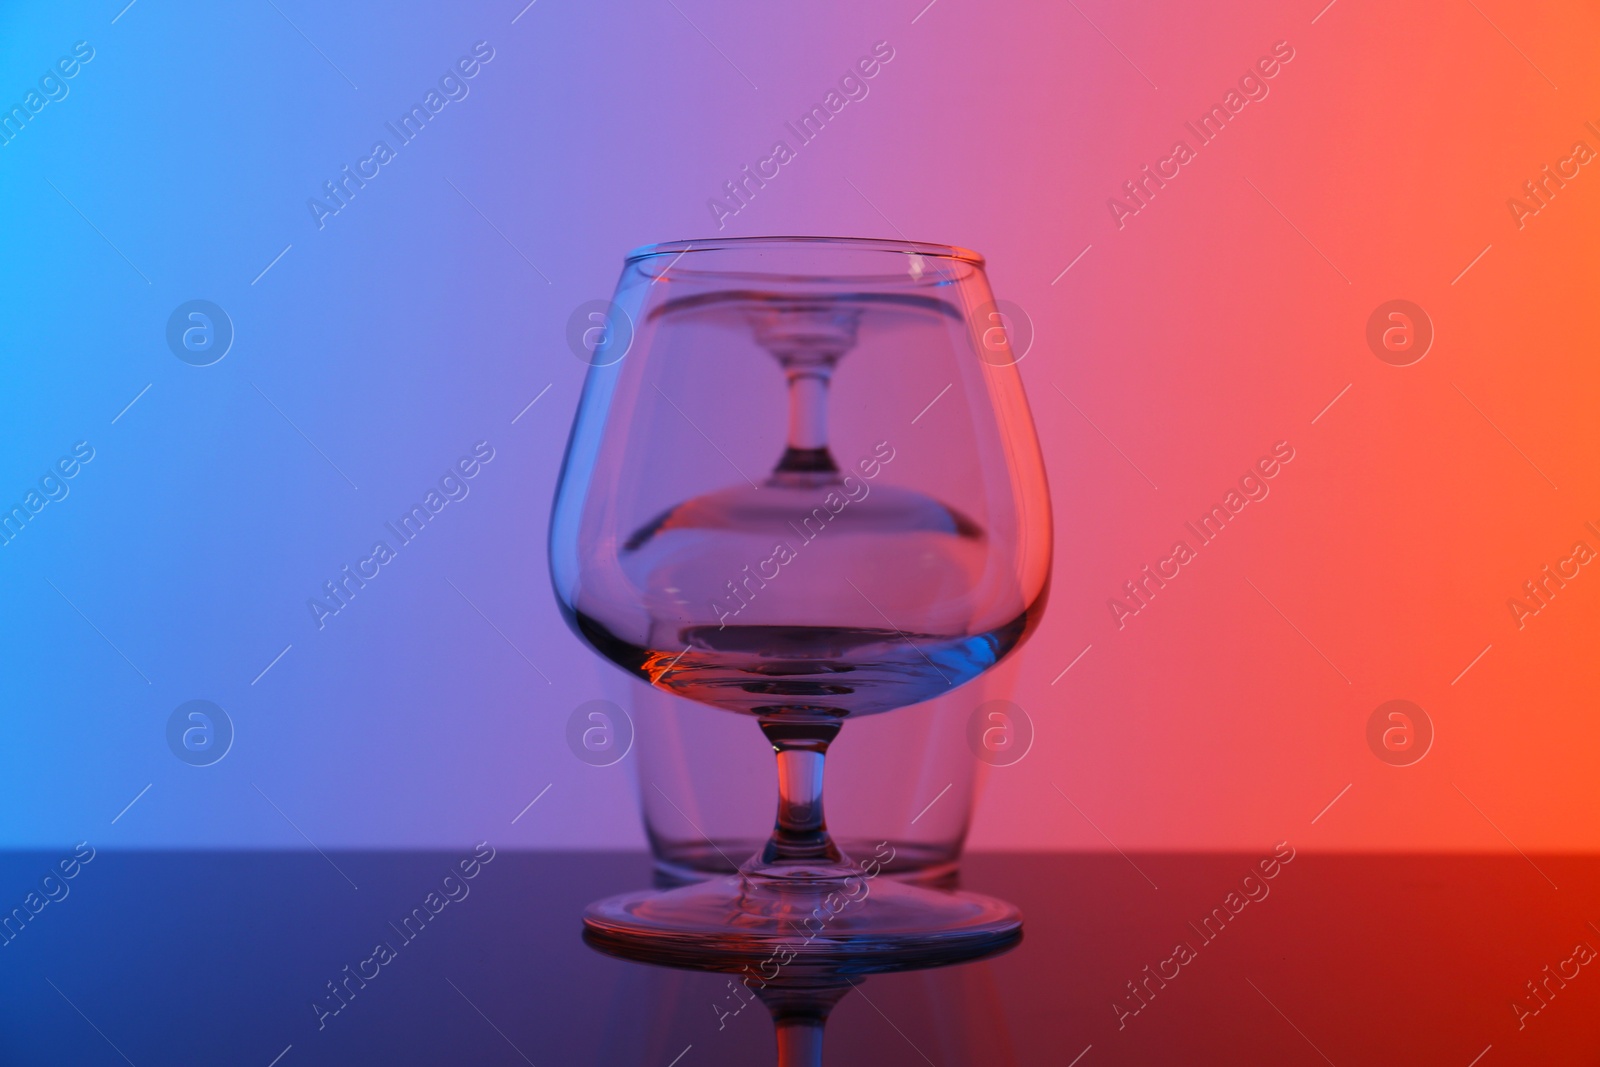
899 547
799 995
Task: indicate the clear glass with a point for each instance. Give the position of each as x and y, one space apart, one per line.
801 487
707 791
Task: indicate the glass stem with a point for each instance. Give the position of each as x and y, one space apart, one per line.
807 452
800 837
799 1041
808 410
799 1015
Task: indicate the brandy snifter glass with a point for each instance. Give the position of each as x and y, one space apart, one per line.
803 485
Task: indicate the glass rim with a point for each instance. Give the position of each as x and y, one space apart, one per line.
881 244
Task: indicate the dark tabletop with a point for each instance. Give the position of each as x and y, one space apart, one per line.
225 958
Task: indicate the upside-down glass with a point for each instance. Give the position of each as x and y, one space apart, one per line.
803 485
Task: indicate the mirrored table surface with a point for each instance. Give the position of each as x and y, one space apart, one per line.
289 959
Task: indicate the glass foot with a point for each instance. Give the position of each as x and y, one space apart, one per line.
769 926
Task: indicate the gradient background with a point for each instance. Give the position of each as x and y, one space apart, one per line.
1223 318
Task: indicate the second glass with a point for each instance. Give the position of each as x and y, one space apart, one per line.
706 792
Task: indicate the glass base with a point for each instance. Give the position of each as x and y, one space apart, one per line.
770 926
